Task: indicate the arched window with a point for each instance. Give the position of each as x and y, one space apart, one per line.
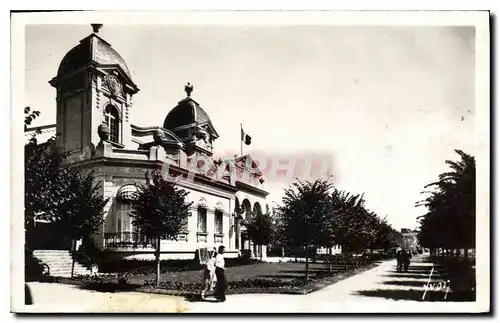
111 118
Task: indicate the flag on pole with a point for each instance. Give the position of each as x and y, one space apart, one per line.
245 137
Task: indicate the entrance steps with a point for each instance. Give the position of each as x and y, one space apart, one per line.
60 263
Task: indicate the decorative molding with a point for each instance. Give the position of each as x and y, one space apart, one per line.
113 84
205 189
202 203
183 236
194 208
218 238
219 207
201 236
126 111
98 99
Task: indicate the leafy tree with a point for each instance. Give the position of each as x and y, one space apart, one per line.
58 194
450 220
260 229
347 218
43 177
81 213
160 212
305 206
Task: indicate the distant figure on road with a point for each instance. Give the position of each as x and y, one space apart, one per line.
405 258
220 287
399 258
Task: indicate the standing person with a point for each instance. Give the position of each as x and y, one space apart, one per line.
209 275
406 260
220 288
399 256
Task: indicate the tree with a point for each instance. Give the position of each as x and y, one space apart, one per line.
260 229
305 206
43 177
81 214
347 219
350 224
58 194
160 212
450 220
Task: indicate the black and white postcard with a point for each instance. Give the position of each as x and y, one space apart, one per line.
250 162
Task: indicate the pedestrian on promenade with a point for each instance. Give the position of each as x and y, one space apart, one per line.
220 287
209 275
399 258
406 260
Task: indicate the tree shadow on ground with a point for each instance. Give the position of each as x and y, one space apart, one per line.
196 298
109 287
289 277
410 272
408 275
419 267
411 283
403 294
311 271
416 295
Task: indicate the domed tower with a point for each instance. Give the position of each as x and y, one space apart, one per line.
94 86
192 125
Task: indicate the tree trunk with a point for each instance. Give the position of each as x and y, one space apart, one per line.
330 259
307 264
260 251
466 253
157 258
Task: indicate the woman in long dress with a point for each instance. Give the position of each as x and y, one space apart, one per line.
220 268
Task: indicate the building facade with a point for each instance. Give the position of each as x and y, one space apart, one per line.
94 102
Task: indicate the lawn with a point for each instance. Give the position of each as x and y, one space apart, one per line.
285 277
270 271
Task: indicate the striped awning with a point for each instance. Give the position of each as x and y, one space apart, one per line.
128 192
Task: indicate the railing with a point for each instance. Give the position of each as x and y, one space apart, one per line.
132 240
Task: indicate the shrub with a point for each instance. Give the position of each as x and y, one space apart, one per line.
147 267
33 268
88 254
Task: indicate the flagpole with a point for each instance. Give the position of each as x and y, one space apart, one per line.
241 140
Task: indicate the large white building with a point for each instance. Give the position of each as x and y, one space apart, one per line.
94 103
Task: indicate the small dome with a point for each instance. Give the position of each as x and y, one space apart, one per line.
186 112
91 49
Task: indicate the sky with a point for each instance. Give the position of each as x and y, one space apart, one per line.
386 105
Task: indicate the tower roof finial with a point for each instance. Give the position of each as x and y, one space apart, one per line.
188 88
96 27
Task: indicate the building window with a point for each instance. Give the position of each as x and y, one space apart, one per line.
202 219
218 221
124 221
111 118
